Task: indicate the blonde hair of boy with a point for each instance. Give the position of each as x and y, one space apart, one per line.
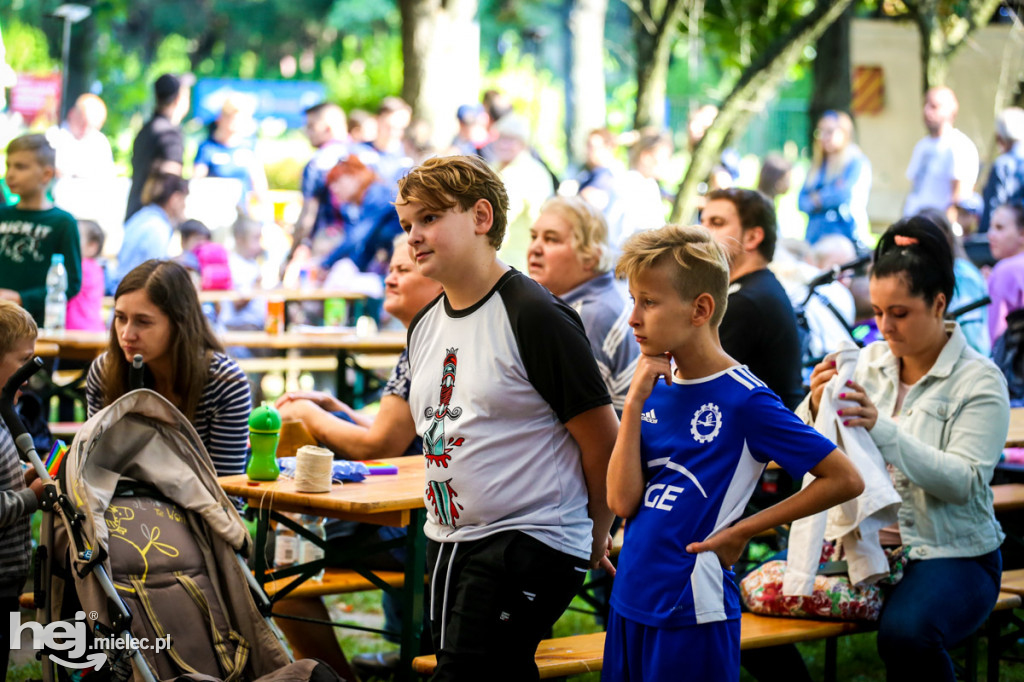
444 182
701 264
15 325
589 229
38 145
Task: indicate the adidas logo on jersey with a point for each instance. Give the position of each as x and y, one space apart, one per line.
649 417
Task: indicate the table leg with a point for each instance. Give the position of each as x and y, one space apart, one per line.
259 562
412 595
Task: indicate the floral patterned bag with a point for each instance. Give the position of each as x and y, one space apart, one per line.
834 597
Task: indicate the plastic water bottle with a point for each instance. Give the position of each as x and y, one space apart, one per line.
286 546
56 310
309 551
264 436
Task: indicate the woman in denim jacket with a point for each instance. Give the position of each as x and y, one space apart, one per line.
938 412
835 192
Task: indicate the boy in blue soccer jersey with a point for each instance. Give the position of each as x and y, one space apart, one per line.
688 455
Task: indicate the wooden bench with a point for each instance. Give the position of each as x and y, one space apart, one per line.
1007 497
579 654
335 581
1013 581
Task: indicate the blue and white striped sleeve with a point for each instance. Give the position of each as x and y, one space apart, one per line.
226 405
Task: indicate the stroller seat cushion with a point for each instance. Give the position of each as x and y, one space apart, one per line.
149 537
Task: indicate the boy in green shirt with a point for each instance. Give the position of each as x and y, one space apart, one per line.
32 230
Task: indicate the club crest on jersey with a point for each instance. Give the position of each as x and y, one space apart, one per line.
706 423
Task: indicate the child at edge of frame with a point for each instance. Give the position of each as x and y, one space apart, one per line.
20 490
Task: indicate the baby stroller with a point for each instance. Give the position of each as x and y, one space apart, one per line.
145 567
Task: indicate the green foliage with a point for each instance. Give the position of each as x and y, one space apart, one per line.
537 95
371 70
27 49
733 32
357 16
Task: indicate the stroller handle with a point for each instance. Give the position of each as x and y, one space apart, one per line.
19 377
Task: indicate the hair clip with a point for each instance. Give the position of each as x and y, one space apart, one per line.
903 240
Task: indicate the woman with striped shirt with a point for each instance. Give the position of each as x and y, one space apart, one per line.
157 315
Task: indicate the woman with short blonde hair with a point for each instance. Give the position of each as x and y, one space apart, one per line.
570 255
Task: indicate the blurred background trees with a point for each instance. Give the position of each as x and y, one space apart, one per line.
568 65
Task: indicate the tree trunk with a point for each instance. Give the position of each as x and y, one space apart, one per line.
441 54
586 24
934 67
832 70
654 36
755 87
942 36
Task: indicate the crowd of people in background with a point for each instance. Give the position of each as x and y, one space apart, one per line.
345 221
788 303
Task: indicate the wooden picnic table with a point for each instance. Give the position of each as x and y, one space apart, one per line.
235 295
388 500
81 345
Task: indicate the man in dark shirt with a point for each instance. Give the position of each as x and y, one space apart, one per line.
759 328
160 143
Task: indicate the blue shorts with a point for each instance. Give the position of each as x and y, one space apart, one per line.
641 653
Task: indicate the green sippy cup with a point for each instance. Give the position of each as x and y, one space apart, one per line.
264 433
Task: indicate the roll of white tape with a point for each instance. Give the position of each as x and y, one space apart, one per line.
313 466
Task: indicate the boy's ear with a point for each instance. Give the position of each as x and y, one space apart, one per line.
483 216
703 309
49 173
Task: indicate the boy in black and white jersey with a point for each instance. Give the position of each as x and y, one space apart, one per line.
517 429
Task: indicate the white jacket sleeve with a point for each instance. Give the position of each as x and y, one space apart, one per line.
855 523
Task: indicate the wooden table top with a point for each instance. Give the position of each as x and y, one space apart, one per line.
381 499
45 349
73 343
